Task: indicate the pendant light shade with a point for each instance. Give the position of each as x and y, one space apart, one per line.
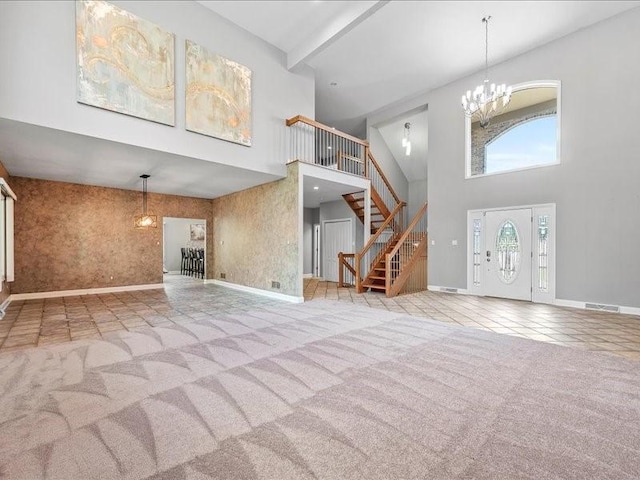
145 220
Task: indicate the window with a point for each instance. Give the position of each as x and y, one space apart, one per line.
477 258
543 253
527 144
525 135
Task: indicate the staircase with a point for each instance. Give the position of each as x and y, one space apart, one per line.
379 211
394 260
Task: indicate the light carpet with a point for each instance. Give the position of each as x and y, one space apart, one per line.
323 390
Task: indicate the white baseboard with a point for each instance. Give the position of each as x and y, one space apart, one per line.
173 272
86 291
459 291
583 305
3 307
557 302
257 291
307 275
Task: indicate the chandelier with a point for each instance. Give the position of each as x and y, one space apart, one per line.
145 220
487 100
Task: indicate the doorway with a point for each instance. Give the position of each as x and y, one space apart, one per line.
184 249
511 253
338 237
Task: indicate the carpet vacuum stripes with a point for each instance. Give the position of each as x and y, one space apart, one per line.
322 390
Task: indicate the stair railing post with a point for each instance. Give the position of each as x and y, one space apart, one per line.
366 162
358 279
387 275
340 270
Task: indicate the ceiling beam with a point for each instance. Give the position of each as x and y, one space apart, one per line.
336 28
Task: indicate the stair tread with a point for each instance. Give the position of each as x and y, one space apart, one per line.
375 286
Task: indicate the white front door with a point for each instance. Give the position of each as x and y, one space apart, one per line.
508 255
337 238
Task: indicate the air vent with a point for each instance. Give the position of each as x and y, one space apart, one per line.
275 284
449 290
601 307
223 275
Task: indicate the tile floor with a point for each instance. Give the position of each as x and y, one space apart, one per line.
599 331
31 323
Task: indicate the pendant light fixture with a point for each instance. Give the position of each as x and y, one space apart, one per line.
406 139
487 100
145 220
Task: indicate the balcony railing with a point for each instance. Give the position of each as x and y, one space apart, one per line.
313 142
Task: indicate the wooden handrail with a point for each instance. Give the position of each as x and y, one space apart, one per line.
381 228
408 230
384 177
313 123
342 263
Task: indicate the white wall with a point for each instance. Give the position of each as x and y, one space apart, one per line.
417 196
37 48
596 185
177 234
388 163
311 216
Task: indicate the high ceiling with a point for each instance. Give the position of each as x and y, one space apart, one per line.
366 55
370 54
382 52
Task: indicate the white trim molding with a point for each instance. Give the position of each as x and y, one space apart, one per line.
307 275
3 307
256 291
86 291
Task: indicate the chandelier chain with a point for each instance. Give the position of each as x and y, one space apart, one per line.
487 100
486 46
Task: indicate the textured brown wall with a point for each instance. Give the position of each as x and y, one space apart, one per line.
259 231
6 287
70 236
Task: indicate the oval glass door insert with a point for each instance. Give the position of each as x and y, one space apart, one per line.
508 251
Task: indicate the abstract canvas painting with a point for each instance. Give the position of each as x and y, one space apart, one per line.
125 63
197 231
218 100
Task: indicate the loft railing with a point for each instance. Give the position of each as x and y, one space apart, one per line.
313 142
346 269
406 263
373 252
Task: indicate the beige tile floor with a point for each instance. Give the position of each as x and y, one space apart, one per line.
599 331
57 320
31 323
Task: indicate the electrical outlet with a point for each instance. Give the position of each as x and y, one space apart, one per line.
275 284
223 275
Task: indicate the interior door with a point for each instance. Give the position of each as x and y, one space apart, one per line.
508 254
337 238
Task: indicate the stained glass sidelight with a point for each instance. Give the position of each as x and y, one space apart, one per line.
508 251
543 253
477 230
